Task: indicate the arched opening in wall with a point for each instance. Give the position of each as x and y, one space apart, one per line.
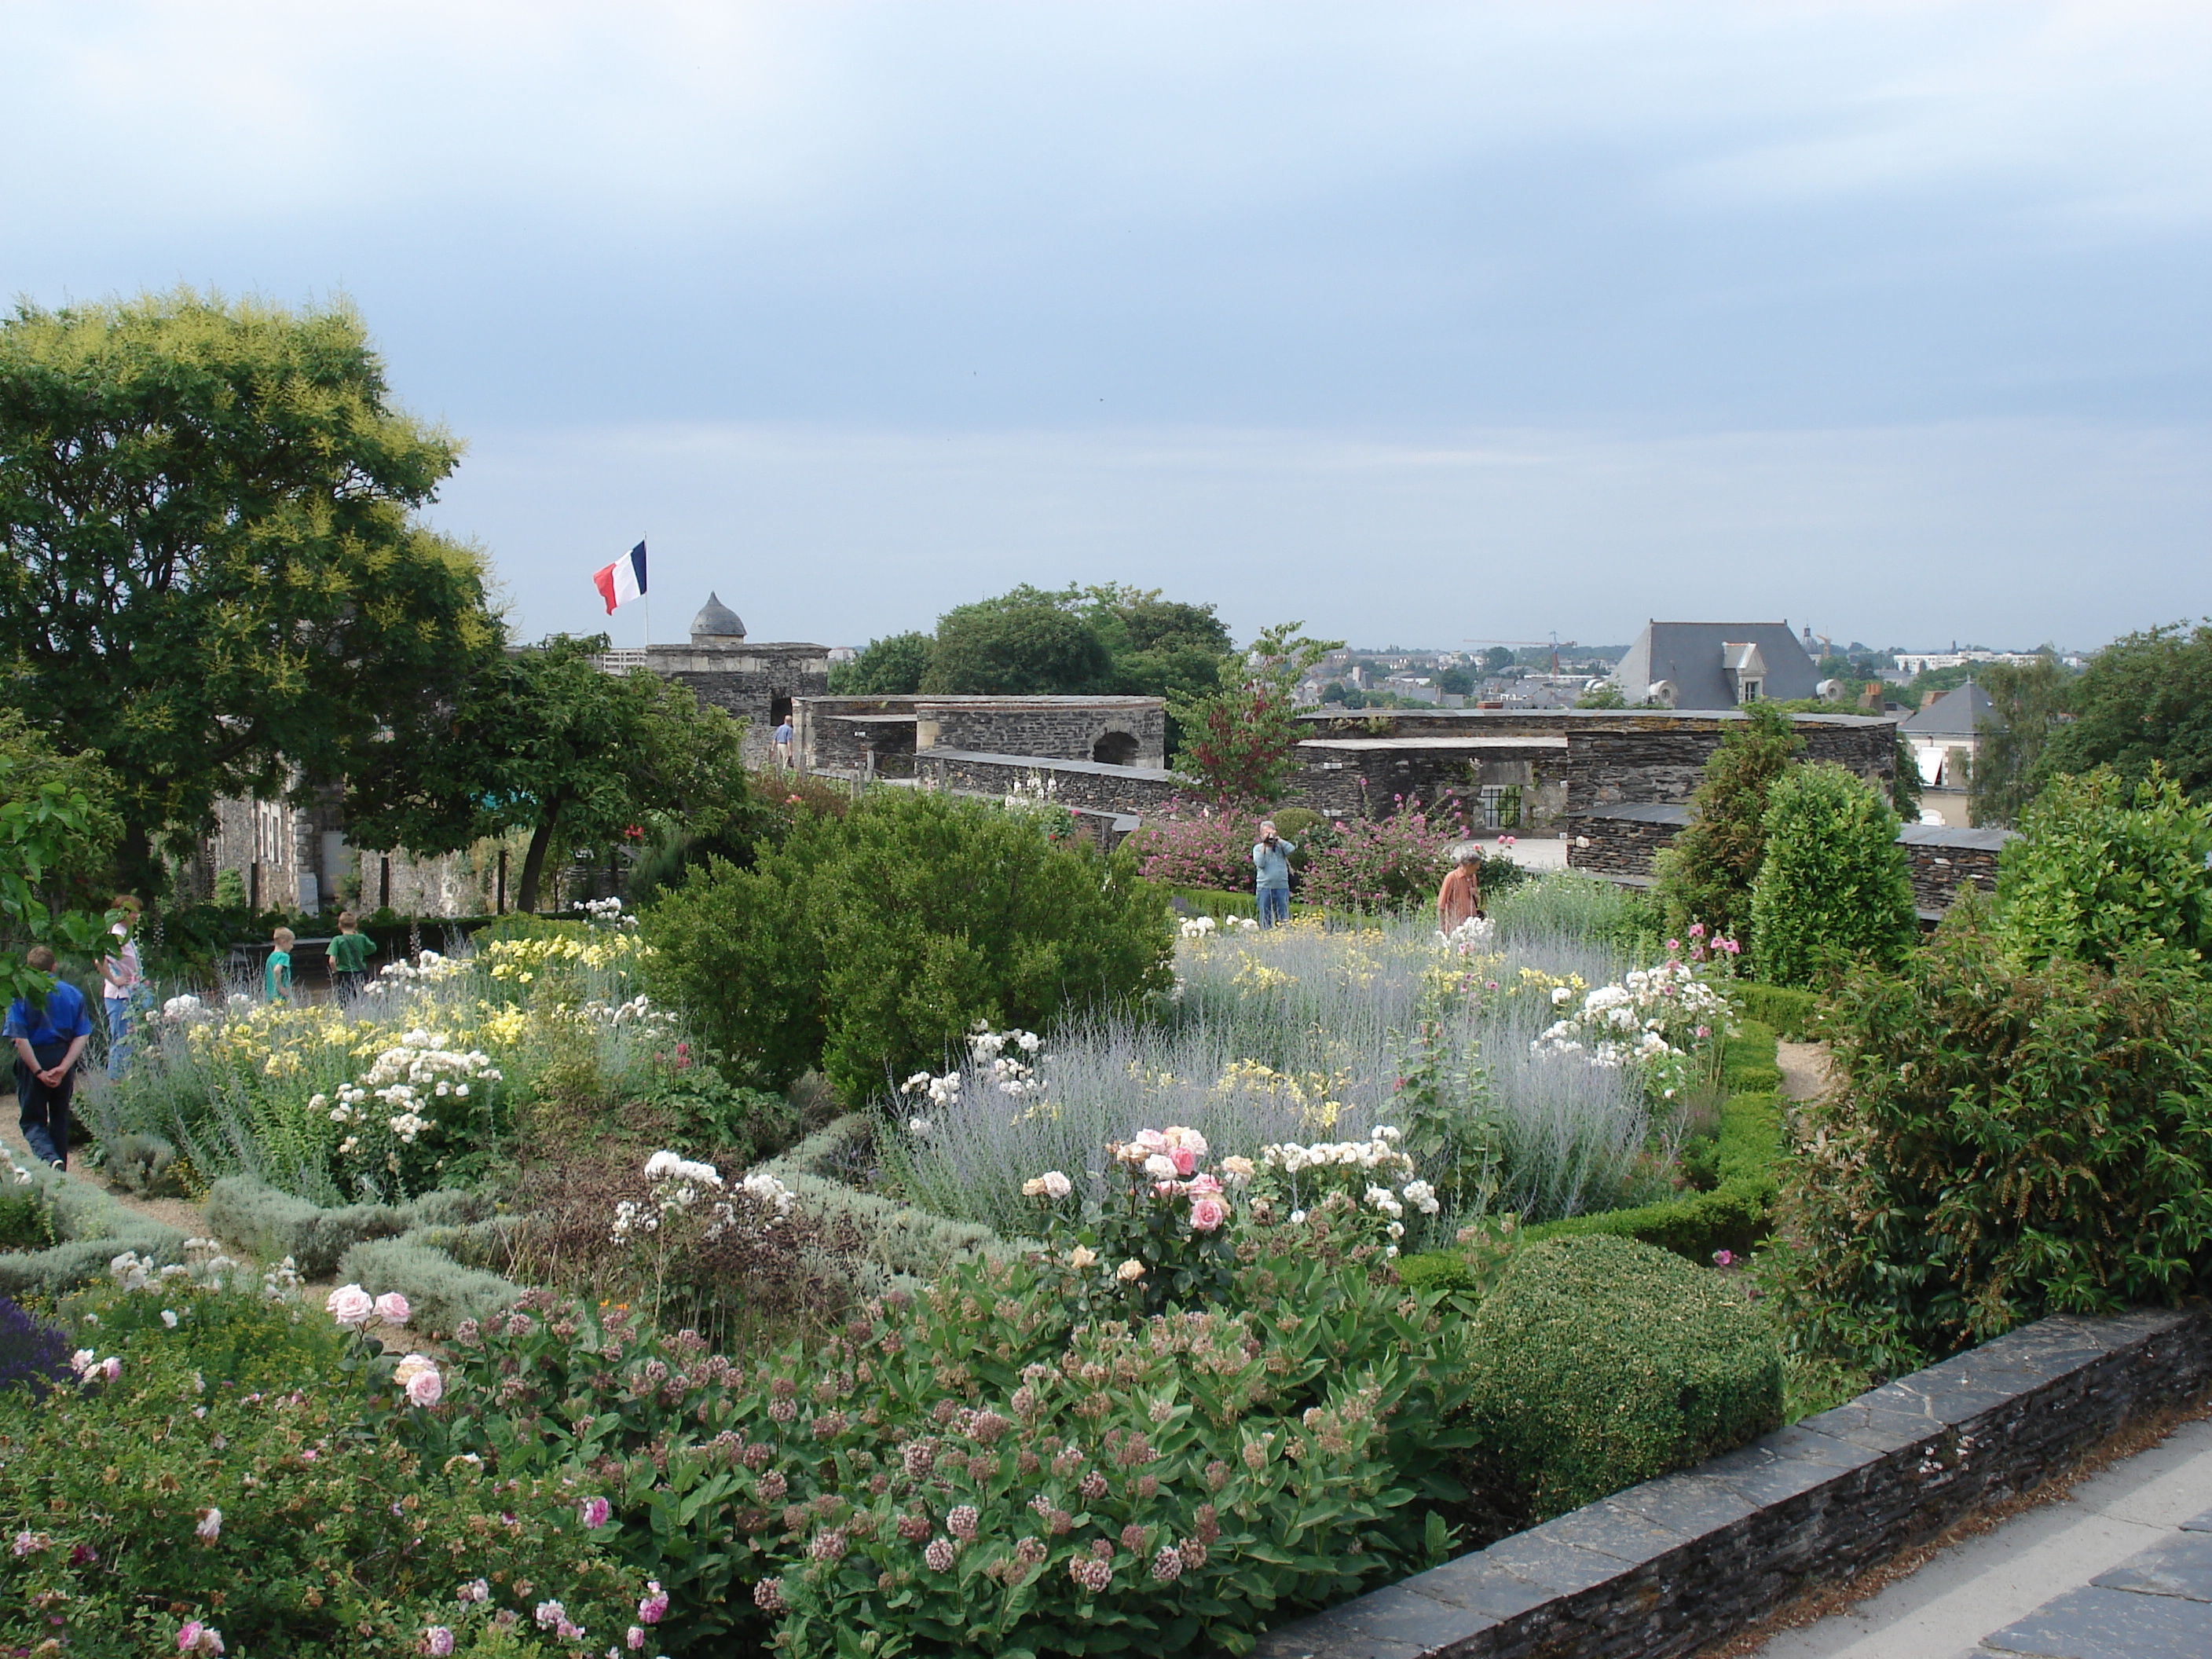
1115 748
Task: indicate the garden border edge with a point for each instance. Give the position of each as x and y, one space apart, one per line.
1690 1559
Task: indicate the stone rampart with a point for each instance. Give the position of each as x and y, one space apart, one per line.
1085 785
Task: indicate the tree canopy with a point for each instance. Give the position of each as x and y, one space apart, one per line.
2011 761
888 667
1239 742
543 741
214 577
2145 700
1705 873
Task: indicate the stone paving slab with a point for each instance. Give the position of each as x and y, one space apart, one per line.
2181 1567
2095 1623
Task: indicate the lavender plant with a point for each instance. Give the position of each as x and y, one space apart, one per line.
1298 1034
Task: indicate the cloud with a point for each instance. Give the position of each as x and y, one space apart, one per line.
2003 530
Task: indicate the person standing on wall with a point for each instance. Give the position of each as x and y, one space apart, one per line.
122 985
49 1039
783 743
1271 865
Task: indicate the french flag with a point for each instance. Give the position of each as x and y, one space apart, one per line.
622 581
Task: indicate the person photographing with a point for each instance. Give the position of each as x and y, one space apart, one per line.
1271 865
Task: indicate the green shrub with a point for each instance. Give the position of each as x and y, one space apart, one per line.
91 1230
2006 1142
897 1238
275 1225
191 1508
1705 873
27 1221
441 1291
236 1338
1793 1014
871 943
1279 1446
2101 871
1599 1362
1832 884
1747 1060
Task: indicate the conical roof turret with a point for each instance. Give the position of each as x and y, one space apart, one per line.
716 621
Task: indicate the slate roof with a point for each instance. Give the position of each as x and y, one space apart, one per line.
1957 713
1692 655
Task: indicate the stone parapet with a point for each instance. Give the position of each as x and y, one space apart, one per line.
1678 1565
1087 786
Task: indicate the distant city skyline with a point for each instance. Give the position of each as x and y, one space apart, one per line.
1888 317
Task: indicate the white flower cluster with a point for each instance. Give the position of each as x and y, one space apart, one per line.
1378 1152
182 1010
428 968
669 1166
638 1010
680 1183
988 1053
606 912
1646 1020
1204 927
1476 934
20 1176
204 1263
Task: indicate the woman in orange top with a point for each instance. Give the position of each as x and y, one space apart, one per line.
1461 896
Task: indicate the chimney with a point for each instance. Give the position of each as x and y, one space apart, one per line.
1927 698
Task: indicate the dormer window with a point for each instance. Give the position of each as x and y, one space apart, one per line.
1746 669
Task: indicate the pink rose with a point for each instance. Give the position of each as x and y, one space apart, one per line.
111 1368
438 1641
1207 1214
593 1511
426 1388
351 1305
1151 1140
1204 1185
391 1307
1185 1161
654 1608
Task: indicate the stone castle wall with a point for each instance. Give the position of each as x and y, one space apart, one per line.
758 683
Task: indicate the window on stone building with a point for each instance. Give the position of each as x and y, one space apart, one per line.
1115 748
779 711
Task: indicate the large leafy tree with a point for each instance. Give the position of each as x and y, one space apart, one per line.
2144 700
1025 643
214 576
58 827
888 667
1706 874
542 740
2028 705
1239 742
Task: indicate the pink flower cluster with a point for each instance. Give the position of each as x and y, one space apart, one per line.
352 1306
1171 1157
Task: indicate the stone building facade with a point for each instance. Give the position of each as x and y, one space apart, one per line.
880 737
760 684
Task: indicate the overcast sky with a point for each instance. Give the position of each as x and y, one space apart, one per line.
1421 323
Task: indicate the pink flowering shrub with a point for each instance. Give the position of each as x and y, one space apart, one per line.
1374 864
1162 1238
1196 846
168 1510
988 1467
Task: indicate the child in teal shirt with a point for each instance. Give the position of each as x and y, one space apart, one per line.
276 978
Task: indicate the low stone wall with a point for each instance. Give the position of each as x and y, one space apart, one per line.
1682 1563
1117 731
1114 790
1621 841
1940 860
1346 775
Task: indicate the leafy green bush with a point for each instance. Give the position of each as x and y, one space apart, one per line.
1599 1362
92 1229
2101 871
27 1222
2008 1142
1832 884
971 1471
237 1339
275 1225
189 1508
870 943
1705 873
1792 1013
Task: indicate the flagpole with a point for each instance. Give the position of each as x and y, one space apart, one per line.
647 596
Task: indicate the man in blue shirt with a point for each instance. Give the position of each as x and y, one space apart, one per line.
49 1040
1271 861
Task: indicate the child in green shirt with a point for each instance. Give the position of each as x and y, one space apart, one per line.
349 954
276 978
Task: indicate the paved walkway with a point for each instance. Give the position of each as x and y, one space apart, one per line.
2120 1569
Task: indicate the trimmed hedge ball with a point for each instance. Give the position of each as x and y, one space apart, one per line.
1600 1362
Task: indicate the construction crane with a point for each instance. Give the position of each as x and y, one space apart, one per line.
1555 642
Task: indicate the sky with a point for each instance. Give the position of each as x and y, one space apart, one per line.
1422 323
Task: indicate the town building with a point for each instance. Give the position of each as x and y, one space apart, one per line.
1944 738
1701 665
